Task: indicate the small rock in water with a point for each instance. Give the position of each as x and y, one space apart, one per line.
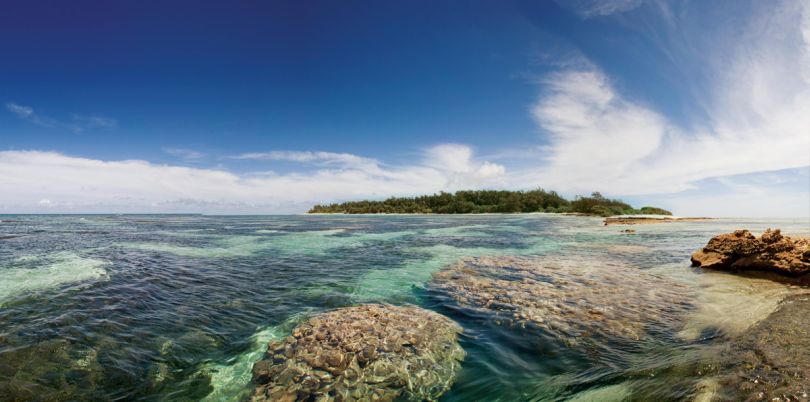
741 250
568 299
370 352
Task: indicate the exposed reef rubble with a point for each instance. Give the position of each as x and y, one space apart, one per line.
647 220
772 361
571 300
742 251
370 352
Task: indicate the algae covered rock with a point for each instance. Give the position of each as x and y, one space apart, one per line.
370 352
568 299
741 250
772 361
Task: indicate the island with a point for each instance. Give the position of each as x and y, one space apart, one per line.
490 201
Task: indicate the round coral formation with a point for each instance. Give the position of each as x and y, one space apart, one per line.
366 353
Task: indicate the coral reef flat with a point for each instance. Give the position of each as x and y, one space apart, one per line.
542 307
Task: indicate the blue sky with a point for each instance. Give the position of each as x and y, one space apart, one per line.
264 107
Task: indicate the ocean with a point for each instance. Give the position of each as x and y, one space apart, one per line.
179 307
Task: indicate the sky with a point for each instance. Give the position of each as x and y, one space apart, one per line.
700 107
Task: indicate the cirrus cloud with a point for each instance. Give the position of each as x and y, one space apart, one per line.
756 120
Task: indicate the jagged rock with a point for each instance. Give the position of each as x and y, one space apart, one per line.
370 352
569 299
772 361
741 250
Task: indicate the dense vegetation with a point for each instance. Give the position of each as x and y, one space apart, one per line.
489 201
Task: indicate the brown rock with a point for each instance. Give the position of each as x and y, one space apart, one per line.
742 251
261 372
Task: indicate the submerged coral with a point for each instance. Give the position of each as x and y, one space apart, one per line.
741 250
50 370
568 299
370 352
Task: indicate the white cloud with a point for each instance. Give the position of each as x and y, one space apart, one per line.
599 8
462 170
20 110
594 132
27 113
758 120
754 100
90 185
77 124
314 158
184 153
85 122
766 194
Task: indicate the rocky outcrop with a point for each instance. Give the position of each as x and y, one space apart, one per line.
572 300
366 353
741 251
772 361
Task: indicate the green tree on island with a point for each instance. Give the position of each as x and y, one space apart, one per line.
489 201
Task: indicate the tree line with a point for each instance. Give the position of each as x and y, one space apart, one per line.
489 201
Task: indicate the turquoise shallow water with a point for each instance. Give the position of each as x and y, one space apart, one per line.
179 307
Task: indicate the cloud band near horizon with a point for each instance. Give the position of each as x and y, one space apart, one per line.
754 121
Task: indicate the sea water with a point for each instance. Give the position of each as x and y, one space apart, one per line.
179 307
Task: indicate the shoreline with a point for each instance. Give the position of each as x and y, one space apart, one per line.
650 220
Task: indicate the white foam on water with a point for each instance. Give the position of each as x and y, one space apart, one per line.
39 272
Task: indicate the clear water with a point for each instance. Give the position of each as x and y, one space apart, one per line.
179 307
